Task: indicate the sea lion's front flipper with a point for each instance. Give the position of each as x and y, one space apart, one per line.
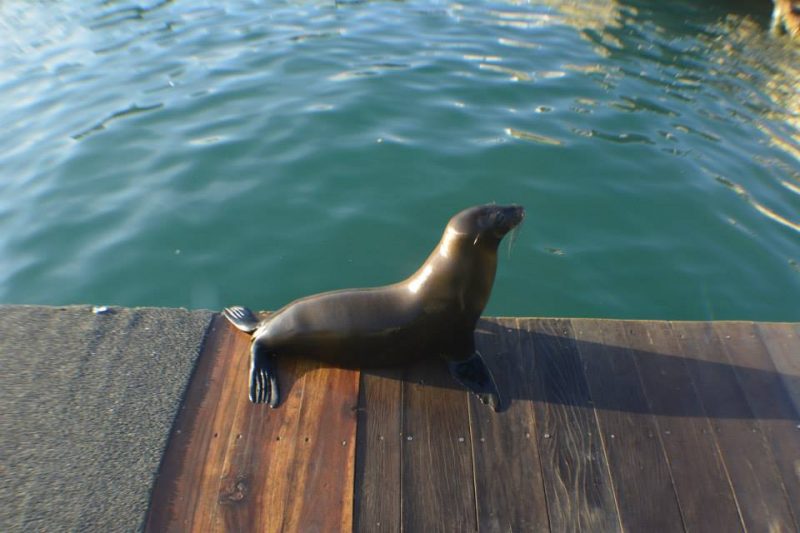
263 382
476 376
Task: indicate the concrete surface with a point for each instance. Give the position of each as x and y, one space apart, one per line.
88 400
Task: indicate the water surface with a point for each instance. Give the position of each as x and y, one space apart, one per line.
202 154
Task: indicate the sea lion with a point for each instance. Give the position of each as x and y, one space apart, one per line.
433 312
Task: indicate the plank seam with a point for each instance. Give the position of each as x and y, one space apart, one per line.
404 375
534 426
756 420
205 447
712 431
760 332
225 444
474 474
597 424
290 460
360 401
658 429
227 457
354 470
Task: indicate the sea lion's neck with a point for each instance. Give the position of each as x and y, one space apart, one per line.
458 275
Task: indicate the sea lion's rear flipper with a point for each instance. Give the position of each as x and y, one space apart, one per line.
476 376
263 382
242 318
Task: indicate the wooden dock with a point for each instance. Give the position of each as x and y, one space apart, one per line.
611 425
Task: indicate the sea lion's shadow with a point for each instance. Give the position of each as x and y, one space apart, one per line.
551 369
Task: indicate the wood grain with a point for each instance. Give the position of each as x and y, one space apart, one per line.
609 425
769 401
753 473
701 482
637 461
783 343
508 480
437 476
174 500
320 496
378 464
577 481
256 469
234 466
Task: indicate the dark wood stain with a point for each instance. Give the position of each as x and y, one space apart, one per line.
753 473
506 454
378 465
764 394
701 483
437 476
642 480
609 425
783 343
577 481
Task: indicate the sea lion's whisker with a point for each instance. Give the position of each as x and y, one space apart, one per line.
512 239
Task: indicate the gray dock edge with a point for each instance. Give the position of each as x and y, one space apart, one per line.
88 400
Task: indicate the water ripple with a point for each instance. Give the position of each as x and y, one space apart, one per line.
131 110
533 137
620 138
321 131
761 208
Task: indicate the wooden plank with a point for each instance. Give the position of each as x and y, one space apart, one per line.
783 343
232 466
508 480
701 484
320 496
757 485
378 459
704 427
175 503
637 461
769 401
260 447
437 477
576 477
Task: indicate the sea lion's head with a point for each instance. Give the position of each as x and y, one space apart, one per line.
463 265
453 286
486 224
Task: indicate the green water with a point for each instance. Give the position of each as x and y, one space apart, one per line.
203 154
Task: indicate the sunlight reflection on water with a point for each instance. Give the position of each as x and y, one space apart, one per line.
297 147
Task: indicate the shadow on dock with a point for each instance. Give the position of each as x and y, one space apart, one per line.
608 425
528 363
